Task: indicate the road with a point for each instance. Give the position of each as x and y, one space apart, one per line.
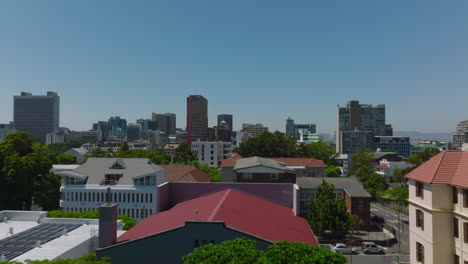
391 218
376 259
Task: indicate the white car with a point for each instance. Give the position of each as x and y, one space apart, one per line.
372 248
344 249
328 246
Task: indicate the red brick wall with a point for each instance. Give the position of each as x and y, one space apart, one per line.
354 207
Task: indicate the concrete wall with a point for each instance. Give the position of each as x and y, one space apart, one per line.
169 247
175 192
22 215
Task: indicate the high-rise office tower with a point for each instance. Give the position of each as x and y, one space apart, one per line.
133 132
254 130
197 118
165 122
355 117
226 118
37 114
295 130
461 135
102 131
117 127
290 127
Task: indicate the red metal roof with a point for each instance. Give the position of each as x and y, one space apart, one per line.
237 210
447 167
306 162
383 166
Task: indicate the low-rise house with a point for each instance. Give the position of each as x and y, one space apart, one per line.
348 188
303 167
79 153
210 219
185 173
257 169
385 168
170 148
438 209
131 183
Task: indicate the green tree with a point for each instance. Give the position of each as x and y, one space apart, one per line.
47 191
66 159
127 221
425 155
374 184
124 146
362 158
268 144
241 250
399 195
333 171
327 215
88 259
59 148
321 151
355 222
183 153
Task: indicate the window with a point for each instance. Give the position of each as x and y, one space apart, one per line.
419 189
465 198
455 195
456 259
455 227
111 179
419 219
419 252
465 232
360 204
247 176
195 244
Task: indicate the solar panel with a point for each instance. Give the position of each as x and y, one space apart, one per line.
18 244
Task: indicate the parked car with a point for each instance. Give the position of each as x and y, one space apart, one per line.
378 219
344 249
328 246
372 248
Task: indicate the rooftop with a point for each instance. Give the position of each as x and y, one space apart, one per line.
447 167
258 161
237 210
349 184
185 173
306 162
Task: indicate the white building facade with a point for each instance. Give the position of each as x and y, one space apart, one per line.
129 183
212 152
438 209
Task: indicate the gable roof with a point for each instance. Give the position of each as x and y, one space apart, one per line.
306 162
258 161
237 210
349 184
447 167
95 169
185 173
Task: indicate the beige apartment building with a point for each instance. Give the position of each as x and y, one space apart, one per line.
438 209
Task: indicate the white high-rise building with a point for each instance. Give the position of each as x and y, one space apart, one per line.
212 152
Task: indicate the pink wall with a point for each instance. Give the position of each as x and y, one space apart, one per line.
171 193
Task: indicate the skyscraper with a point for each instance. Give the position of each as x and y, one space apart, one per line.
290 127
197 118
165 122
133 132
228 119
295 130
360 122
37 114
461 135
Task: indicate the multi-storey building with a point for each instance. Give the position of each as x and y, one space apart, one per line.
117 127
197 118
102 130
419 147
130 183
296 130
6 129
211 152
461 135
37 114
165 122
400 145
133 132
218 133
359 121
228 119
254 130
438 209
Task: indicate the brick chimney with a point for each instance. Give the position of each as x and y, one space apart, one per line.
107 225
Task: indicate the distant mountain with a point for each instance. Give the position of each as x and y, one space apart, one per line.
421 136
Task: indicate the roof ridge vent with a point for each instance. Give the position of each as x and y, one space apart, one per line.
118 164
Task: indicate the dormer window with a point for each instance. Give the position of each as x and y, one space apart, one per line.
118 165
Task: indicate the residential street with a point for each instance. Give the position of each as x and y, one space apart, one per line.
391 218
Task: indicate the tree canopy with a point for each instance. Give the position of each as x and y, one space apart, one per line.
243 251
127 220
327 215
88 259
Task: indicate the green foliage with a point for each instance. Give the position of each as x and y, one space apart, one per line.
127 221
88 259
283 252
47 191
321 151
399 195
213 172
23 163
362 158
355 222
268 144
60 148
183 153
374 184
66 159
328 216
333 171
243 251
425 155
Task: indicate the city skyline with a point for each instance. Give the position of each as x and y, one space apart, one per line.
246 58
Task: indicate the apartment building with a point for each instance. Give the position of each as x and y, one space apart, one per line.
254 130
130 183
212 152
438 209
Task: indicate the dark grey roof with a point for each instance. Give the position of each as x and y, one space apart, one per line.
95 169
350 184
258 161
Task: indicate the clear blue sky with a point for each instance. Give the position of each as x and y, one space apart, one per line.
262 61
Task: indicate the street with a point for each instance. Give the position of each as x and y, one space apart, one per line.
377 259
391 218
